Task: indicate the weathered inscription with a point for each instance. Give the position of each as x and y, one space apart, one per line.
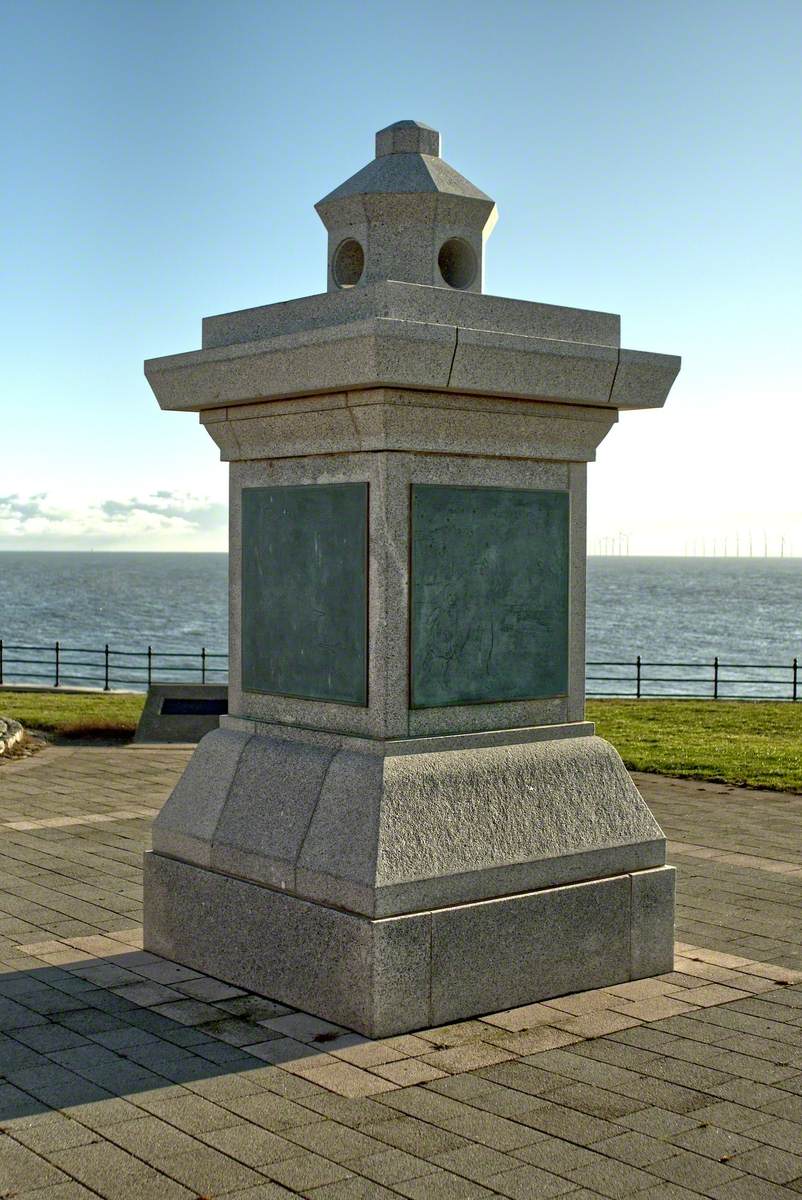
489 595
304 591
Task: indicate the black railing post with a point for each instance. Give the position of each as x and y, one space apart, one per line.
793 690
637 664
1 660
106 668
715 678
203 664
58 663
150 664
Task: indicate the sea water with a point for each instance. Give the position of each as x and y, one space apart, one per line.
746 611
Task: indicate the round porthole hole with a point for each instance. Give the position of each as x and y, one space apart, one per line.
457 263
348 263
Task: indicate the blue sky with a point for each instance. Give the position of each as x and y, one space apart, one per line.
161 161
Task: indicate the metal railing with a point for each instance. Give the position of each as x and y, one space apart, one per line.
709 680
58 665
64 666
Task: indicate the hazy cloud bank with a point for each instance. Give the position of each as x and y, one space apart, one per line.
162 520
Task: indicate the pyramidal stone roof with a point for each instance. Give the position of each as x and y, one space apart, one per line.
407 161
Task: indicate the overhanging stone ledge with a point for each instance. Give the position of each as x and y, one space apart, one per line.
381 351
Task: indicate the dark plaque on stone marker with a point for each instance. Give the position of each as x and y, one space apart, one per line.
489 599
304 591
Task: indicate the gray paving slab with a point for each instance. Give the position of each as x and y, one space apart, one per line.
126 1075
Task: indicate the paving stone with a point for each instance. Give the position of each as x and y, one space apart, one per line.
749 1188
194 1114
416 1137
59 1191
442 1185
595 1101
466 1057
54 1132
790 1108
207 1170
525 1182
637 1149
262 1191
475 1162
353 1189
21 1168
768 1162
610 1178
786 1135
555 1155
250 1144
566 1123
271 1111
355 1112
334 1141
728 1115
694 1171
346 1080
714 1142
391 1166
407 1072
306 1171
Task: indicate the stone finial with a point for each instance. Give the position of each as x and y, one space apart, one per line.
407 216
408 137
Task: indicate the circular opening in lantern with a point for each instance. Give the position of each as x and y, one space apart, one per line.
457 263
348 263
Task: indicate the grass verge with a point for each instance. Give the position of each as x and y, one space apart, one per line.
749 743
754 744
71 715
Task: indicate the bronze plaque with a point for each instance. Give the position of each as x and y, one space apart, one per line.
489 595
304 591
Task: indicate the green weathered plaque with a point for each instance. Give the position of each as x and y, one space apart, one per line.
304 591
489 595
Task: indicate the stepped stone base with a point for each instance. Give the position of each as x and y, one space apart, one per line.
396 974
389 886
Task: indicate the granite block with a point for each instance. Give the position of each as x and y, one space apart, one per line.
268 809
181 712
411 302
385 419
397 974
184 828
337 861
653 922
362 974
506 953
526 366
644 379
509 880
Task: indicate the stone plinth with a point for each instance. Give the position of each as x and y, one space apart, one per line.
404 819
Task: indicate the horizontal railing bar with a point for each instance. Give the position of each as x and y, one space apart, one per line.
102 650
787 666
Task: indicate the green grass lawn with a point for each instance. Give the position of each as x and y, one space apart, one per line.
84 715
751 743
758 744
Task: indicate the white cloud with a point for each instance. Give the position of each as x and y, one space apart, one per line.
162 520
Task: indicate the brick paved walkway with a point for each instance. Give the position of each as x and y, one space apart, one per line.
128 1077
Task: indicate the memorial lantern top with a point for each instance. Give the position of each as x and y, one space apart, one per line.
407 216
404 308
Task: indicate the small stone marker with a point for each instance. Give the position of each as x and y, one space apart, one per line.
405 819
181 712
